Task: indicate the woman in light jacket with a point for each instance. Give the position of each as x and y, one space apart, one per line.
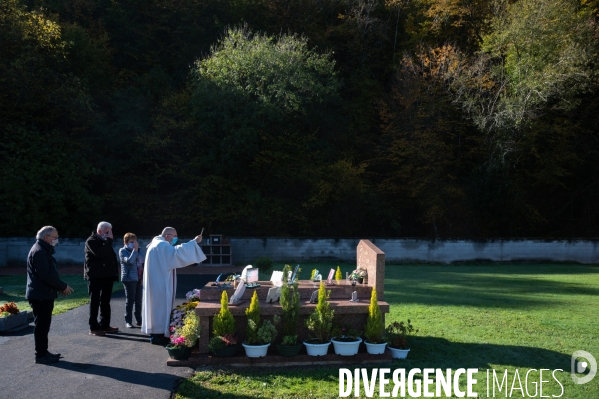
132 263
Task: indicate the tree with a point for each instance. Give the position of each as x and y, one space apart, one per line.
537 57
45 178
255 131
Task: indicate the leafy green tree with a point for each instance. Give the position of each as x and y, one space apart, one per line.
537 57
255 131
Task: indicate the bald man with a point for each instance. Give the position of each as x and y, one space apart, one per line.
163 257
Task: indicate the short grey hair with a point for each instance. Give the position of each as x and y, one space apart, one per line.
44 231
101 225
167 230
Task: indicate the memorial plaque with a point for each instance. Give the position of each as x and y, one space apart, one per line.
331 276
277 278
274 294
294 274
314 297
236 297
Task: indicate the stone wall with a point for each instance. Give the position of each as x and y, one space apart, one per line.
13 251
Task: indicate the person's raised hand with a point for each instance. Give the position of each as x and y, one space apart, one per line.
109 234
198 239
135 245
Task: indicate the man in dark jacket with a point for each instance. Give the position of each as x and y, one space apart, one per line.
43 283
101 270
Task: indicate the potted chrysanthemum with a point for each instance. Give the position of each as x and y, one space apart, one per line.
184 338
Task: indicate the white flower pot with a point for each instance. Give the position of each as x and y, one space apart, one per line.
255 350
317 349
399 353
375 349
346 348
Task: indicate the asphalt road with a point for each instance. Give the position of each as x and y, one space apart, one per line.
121 365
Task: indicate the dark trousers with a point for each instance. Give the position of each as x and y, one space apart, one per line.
42 317
100 291
133 294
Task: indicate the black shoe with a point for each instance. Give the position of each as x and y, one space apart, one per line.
46 360
56 355
157 339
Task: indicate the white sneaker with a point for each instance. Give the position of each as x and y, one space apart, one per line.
128 325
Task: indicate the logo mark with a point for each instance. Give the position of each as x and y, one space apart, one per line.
577 367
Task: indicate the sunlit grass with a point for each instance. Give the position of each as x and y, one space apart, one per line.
491 316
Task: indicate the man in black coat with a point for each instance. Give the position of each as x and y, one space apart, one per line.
43 283
101 270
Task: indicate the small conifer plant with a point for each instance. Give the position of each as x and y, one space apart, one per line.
338 276
375 327
224 322
320 321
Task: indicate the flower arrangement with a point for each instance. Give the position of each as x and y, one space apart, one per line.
179 312
8 309
398 333
358 273
188 333
193 296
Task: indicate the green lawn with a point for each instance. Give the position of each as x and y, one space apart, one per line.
14 291
492 316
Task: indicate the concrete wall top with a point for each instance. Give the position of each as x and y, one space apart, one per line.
14 250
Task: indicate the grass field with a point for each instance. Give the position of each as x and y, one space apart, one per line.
14 291
513 317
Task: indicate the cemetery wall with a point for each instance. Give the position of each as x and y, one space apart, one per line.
14 250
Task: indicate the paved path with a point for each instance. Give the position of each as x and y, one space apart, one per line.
122 365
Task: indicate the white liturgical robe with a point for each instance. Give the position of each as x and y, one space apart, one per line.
160 281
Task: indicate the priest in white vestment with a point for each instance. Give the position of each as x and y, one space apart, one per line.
160 280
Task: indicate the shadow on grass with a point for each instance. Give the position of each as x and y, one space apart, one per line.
509 286
437 352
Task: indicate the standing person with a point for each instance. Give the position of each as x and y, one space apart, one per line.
43 283
160 280
132 262
101 270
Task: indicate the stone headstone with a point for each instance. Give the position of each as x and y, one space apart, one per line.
371 258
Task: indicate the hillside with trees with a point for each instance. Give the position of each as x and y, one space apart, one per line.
385 118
